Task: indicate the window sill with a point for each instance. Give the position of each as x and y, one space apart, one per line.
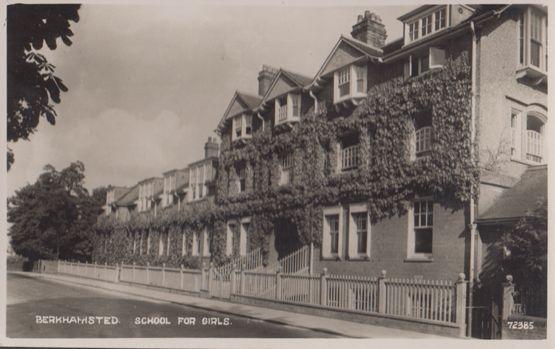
350 97
361 258
527 162
415 259
334 258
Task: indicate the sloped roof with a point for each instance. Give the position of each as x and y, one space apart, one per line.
130 197
247 102
297 79
119 192
365 49
521 198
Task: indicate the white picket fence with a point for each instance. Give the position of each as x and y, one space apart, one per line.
298 262
439 301
220 277
174 278
89 270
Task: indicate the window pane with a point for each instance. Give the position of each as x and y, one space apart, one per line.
423 240
361 223
535 53
333 225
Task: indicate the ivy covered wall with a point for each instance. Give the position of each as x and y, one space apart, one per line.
387 177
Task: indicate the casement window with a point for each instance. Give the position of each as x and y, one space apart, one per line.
350 82
241 179
332 244
423 141
287 108
427 24
243 236
359 231
532 40
232 234
413 30
421 222
206 249
439 19
162 243
344 82
241 126
350 157
286 167
196 244
183 244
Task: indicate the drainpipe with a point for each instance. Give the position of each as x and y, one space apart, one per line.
311 93
472 208
261 118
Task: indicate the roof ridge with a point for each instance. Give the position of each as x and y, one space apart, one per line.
361 42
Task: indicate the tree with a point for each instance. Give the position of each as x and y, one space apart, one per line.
53 218
526 247
32 84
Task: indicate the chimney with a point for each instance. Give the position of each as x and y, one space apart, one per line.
211 148
369 29
265 78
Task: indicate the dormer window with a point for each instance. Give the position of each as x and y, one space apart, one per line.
287 108
242 127
427 24
350 82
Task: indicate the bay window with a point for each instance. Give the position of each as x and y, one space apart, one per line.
527 136
350 82
532 42
427 24
241 127
287 108
534 139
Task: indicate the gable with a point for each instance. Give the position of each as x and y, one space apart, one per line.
235 108
281 86
343 55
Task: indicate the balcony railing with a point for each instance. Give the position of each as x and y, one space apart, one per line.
350 157
533 146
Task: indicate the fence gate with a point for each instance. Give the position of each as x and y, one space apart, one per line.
220 283
485 321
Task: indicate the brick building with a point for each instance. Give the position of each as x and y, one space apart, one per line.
393 157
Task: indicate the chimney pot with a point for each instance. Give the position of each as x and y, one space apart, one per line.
211 148
370 30
265 77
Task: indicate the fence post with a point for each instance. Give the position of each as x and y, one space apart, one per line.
278 284
382 295
209 281
232 281
461 304
507 300
58 266
242 283
117 271
181 276
324 287
163 274
133 273
147 273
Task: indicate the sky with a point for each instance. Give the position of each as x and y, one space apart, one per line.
148 84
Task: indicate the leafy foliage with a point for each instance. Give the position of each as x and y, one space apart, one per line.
32 84
53 217
526 246
387 179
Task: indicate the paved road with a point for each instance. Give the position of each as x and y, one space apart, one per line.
30 297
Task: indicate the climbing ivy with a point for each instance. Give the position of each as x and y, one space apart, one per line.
387 178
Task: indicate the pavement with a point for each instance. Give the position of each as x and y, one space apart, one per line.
323 325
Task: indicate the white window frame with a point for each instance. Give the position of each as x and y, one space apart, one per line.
134 242
284 107
147 242
196 242
286 165
206 242
524 31
350 157
183 243
423 141
229 238
243 235
353 72
515 125
354 210
240 125
411 233
162 239
326 237
414 27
